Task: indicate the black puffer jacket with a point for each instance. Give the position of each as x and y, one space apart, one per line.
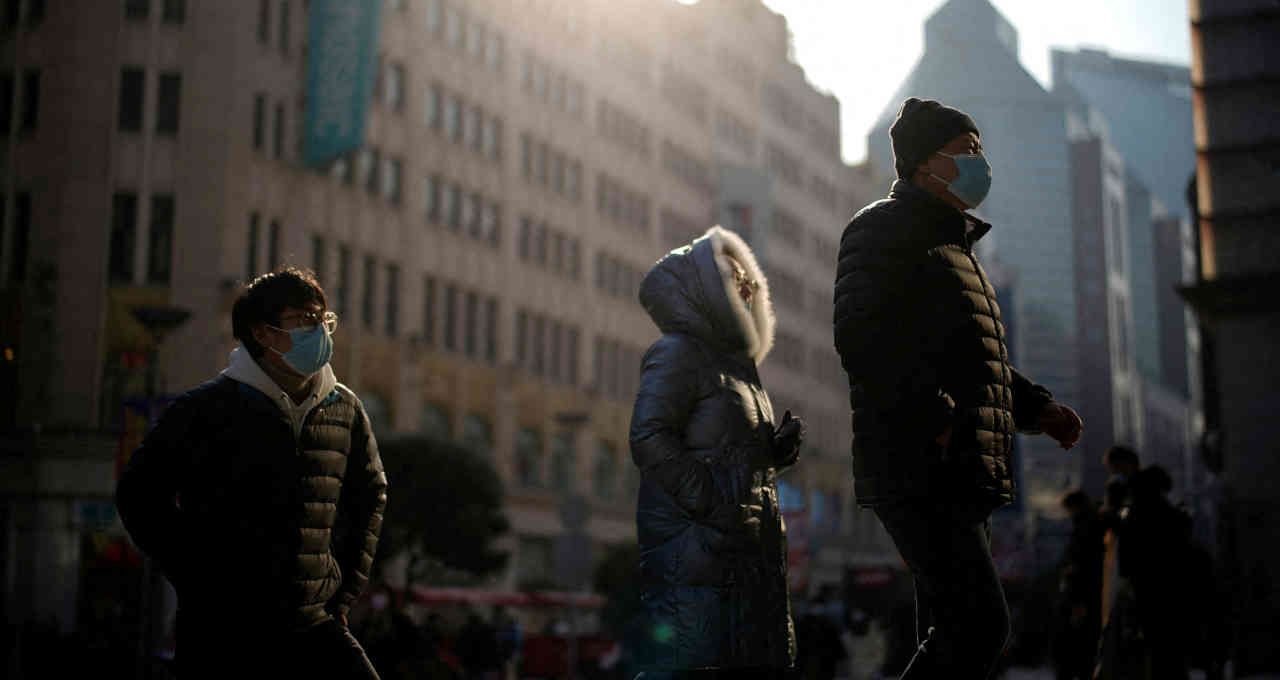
250 521
713 545
919 333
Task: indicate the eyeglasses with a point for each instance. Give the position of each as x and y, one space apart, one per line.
313 319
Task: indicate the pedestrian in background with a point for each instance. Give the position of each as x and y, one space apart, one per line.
935 402
1080 591
713 555
260 495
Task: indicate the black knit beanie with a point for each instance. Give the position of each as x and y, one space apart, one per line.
923 126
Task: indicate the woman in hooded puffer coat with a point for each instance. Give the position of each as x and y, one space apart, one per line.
713 558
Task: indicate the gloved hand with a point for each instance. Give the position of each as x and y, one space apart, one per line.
787 440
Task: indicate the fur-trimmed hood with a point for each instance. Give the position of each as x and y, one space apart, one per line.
691 290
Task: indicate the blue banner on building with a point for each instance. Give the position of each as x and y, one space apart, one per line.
342 46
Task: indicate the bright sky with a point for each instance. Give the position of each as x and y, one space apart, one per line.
862 50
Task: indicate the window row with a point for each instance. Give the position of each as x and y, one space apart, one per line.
695 173
610 473
133 86
550 167
552 85
549 248
171 11
484 44
617 369
547 347
283 18
462 211
123 253
622 128
28 101
460 320
617 278
255 263
259 139
622 204
380 175
685 93
11 13
462 123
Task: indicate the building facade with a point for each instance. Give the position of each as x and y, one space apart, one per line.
523 164
1235 70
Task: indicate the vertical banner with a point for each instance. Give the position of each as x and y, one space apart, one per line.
341 53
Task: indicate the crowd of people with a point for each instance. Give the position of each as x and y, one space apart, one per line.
1136 592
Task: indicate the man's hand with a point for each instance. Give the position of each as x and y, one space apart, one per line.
1062 423
787 439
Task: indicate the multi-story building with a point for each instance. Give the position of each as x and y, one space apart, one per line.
523 164
1235 70
970 61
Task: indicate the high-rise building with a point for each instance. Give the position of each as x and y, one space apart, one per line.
522 165
1235 76
970 61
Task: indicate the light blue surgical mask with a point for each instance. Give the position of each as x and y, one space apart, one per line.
312 349
973 181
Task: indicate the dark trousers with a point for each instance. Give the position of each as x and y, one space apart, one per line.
223 650
947 547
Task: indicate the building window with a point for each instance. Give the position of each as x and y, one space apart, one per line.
137 9
264 21
571 356
21 238
477 435
391 180
539 346
435 421
259 121
160 243
553 344
492 142
606 470
453 207
429 311
393 300
529 457
251 257
471 324
395 88
431 106
168 103
371 162
451 318
344 279
431 198
318 257
124 217
30 99
370 292
174 12
452 118
493 52
452 27
277 141
132 89
563 463
431 15
273 246
284 26
521 333
491 330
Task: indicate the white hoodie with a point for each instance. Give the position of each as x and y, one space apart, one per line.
242 368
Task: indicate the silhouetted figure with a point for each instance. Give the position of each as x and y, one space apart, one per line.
935 402
1080 591
260 495
819 647
713 555
477 648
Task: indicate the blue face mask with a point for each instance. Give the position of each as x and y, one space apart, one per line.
312 349
973 181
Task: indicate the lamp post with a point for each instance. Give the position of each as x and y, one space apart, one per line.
159 320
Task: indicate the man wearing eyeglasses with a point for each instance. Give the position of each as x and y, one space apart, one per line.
260 495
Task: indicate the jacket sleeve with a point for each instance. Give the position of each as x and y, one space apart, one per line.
1028 400
668 391
889 335
147 494
364 499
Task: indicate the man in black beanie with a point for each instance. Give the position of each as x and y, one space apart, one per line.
934 401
